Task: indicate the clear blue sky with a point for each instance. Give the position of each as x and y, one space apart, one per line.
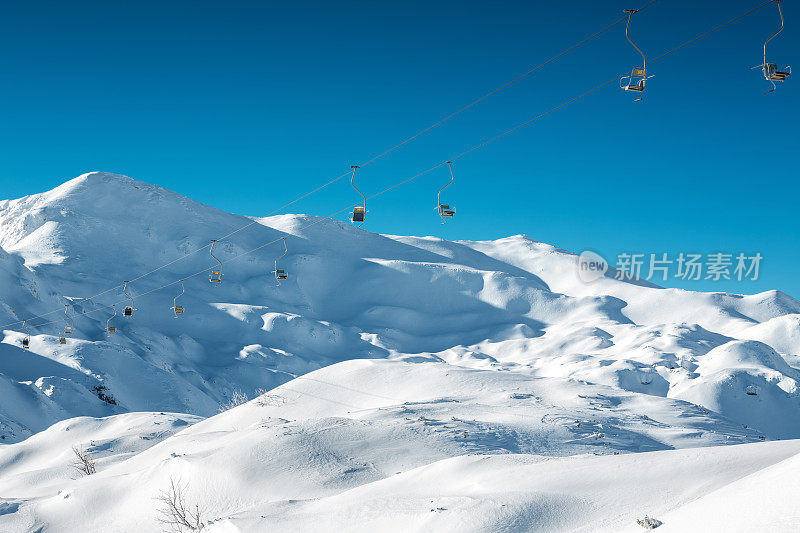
246 105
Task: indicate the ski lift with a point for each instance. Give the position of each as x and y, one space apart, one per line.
128 311
216 275
444 209
751 390
178 309
636 80
109 328
26 340
770 70
69 327
359 212
280 274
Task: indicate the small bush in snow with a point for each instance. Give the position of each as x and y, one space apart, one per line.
83 461
176 513
649 523
102 392
267 400
236 400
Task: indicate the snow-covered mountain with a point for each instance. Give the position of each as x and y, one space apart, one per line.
389 361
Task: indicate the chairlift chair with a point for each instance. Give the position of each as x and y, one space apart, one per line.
68 327
128 311
216 275
773 74
444 209
178 309
359 212
70 324
109 328
280 274
26 340
638 77
770 70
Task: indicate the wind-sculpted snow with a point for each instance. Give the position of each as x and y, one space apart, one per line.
380 354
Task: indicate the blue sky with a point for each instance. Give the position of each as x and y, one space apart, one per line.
247 105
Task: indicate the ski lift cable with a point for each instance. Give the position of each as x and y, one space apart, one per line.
369 161
462 154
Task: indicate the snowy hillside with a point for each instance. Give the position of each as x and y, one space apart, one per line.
412 382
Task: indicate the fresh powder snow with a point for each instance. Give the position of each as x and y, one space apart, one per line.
391 383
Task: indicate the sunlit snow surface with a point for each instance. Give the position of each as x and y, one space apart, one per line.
442 386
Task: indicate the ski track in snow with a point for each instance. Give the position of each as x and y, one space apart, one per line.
413 383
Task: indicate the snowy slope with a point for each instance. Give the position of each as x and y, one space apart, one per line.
338 446
350 294
389 361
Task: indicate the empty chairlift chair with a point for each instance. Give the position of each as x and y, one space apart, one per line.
109 328
69 327
280 274
178 309
445 211
128 311
638 77
359 212
216 275
770 70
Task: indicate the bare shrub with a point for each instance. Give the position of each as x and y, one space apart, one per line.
83 461
266 399
175 512
236 400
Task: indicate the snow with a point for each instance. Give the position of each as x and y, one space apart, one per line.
399 383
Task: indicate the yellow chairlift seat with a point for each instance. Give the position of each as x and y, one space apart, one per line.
178 309
216 277
112 329
128 311
358 214
26 343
